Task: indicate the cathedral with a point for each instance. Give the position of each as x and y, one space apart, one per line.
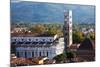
29 46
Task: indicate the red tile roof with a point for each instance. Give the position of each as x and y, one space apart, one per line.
22 61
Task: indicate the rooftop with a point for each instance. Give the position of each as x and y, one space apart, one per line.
22 61
87 44
35 44
31 61
31 35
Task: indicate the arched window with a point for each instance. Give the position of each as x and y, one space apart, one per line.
43 39
25 54
50 39
39 53
17 54
32 53
22 39
36 39
47 53
29 39
14 39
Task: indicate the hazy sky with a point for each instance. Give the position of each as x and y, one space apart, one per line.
87 2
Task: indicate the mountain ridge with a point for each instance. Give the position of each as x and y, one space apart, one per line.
50 12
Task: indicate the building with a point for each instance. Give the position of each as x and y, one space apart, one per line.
29 46
31 61
19 29
22 62
68 29
86 50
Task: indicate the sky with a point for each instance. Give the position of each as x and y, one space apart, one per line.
24 12
86 2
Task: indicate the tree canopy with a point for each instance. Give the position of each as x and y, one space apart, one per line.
77 37
91 35
37 29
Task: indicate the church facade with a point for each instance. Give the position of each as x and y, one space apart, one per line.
29 47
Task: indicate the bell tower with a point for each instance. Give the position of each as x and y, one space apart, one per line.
67 28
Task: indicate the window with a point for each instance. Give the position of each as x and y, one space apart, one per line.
36 39
29 39
14 39
29 54
65 19
70 16
33 54
47 53
22 39
25 54
66 33
17 54
50 39
70 22
43 39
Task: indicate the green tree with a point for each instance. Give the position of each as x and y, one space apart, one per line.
77 37
37 29
91 35
60 57
54 31
69 56
64 57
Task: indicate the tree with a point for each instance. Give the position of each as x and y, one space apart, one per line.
37 29
91 35
64 57
77 37
69 56
54 31
60 57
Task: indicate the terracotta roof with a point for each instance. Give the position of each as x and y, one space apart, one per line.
22 61
74 46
